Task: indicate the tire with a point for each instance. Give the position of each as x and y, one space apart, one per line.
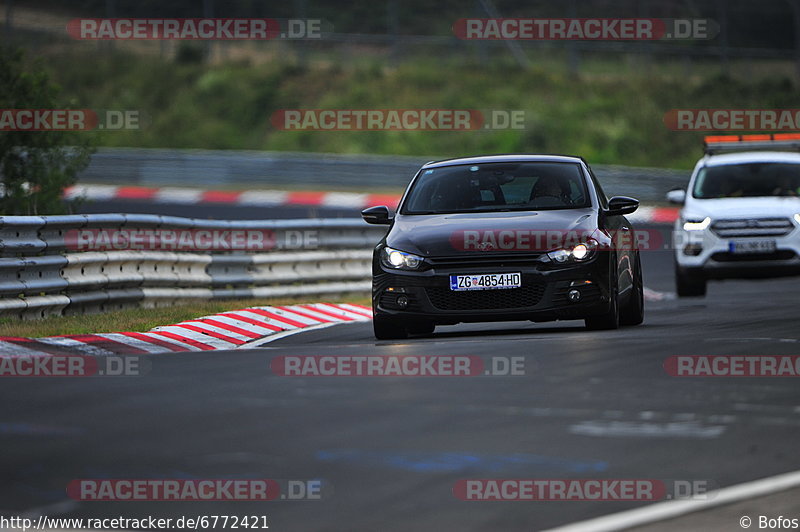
388 329
633 311
422 327
609 320
687 285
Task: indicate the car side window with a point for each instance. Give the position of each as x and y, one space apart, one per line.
600 194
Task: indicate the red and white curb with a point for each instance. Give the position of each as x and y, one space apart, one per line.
236 329
229 330
273 198
258 198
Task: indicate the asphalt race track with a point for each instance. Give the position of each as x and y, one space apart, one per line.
390 449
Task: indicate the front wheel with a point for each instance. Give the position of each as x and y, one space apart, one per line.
388 329
633 311
609 320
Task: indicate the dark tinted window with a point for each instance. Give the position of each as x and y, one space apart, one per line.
498 186
747 180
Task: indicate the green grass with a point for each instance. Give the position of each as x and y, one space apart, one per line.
612 113
144 319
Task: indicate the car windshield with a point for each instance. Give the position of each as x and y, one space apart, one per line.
498 187
748 180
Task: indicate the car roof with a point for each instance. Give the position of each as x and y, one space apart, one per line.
751 157
480 159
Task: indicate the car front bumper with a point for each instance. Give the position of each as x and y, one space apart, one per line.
542 297
704 253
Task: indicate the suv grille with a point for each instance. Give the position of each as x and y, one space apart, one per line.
752 227
511 298
780 254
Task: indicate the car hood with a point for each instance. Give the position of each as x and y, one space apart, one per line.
436 234
723 208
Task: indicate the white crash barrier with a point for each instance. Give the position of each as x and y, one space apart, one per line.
42 274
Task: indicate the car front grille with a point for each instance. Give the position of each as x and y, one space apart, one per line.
510 298
752 227
781 254
488 260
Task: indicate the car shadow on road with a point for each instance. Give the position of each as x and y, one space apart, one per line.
529 330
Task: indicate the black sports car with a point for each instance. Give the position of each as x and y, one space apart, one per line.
505 237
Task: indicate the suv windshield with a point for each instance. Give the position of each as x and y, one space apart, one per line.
747 180
498 187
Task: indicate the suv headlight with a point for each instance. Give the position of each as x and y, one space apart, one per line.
580 253
399 260
696 224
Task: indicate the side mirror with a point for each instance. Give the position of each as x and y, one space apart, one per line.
676 196
377 215
619 205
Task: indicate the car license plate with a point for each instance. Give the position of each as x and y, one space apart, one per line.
751 247
485 281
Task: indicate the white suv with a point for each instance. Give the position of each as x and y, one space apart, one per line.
741 213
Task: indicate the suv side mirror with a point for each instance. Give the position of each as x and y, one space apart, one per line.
677 196
377 215
619 205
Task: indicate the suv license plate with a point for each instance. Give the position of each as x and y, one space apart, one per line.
752 247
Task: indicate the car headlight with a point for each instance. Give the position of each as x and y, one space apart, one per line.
399 260
797 217
580 253
694 224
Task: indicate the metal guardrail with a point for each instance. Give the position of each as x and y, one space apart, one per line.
43 271
258 170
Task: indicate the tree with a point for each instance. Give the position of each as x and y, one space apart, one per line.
35 166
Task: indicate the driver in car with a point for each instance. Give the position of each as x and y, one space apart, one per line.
548 191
